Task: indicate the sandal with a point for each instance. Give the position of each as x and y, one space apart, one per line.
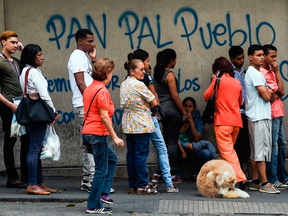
151 185
132 191
147 191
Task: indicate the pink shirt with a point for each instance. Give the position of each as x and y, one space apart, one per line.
277 109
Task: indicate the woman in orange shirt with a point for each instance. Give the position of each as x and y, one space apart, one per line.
227 116
96 129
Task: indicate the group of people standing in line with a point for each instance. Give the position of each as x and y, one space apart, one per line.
251 105
246 102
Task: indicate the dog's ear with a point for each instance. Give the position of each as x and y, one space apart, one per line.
216 173
211 175
232 179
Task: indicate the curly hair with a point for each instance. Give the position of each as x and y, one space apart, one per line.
101 68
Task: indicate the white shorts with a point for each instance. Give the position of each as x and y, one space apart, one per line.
260 136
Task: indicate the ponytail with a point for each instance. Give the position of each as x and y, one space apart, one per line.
163 58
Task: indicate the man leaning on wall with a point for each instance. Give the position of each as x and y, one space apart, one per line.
80 70
276 172
10 88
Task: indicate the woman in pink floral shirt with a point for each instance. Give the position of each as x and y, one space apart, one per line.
136 100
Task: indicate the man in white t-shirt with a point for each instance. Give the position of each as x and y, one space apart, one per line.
258 111
80 70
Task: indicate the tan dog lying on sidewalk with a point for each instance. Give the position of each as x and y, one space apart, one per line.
217 179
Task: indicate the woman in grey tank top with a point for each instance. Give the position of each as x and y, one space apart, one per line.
166 87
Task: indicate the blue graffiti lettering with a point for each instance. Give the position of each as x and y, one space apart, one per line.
58 84
193 12
210 36
187 84
285 62
159 45
236 31
113 83
129 33
51 23
74 22
71 35
91 22
117 117
258 29
65 117
216 34
145 21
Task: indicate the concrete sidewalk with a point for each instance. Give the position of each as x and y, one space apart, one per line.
186 202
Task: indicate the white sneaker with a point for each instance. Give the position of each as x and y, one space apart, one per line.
172 189
112 190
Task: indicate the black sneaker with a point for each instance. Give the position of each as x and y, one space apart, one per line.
104 210
109 201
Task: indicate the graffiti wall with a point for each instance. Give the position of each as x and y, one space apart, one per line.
199 32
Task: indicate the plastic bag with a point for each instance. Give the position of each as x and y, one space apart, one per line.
16 129
51 145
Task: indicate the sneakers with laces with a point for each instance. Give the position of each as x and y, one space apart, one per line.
279 185
104 210
85 185
285 182
157 178
105 199
172 189
176 180
269 188
255 187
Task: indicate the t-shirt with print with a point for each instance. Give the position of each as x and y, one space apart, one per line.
256 108
93 123
9 83
134 99
79 62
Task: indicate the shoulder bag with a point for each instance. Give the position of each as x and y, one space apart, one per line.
32 109
87 146
208 114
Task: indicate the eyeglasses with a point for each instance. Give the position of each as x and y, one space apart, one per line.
141 69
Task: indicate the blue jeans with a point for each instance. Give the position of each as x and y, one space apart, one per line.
105 163
159 144
282 146
199 159
138 151
37 134
276 167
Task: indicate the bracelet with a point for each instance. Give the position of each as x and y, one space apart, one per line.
185 117
93 62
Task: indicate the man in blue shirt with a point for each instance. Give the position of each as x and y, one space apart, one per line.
242 146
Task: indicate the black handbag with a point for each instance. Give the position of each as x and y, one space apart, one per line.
32 109
208 114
